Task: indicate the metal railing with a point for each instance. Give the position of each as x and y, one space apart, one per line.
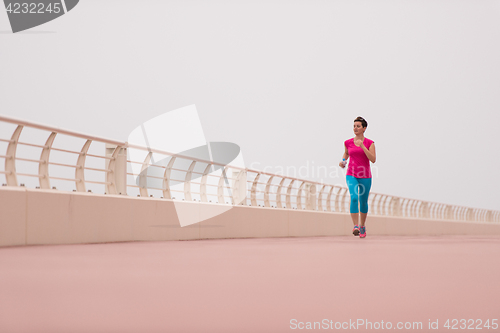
202 180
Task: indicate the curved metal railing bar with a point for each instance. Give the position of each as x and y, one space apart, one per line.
80 165
267 192
10 157
279 203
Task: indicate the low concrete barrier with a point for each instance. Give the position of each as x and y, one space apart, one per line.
34 217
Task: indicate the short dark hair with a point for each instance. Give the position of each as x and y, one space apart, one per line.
362 121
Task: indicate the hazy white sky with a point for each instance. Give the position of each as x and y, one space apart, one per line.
284 80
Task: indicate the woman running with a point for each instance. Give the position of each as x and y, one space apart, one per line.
359 176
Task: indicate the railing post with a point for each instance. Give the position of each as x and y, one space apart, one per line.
279 204
442 211
320 199
203 184
489 216
299 195
43 165
328 200
253 194
396 206
375 196
468 214
187 182
289 195
464 213
80 167
117 173
412 207
385 210
10 160
220 187
425 210
311 197
239 185
267 191
449 212
343 201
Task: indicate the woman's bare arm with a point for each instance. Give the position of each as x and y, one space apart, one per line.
345 157
370 153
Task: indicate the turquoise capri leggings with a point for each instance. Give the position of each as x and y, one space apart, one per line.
359 188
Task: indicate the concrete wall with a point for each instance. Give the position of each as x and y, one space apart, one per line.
33 216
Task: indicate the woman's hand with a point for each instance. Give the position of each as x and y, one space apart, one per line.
342 164
358 142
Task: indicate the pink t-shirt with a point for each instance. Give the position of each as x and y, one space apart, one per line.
359 164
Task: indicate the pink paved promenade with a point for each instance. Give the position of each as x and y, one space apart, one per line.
250 285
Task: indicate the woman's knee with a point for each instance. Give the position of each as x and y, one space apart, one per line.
363 207
354 198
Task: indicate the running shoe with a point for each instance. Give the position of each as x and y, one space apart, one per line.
362 232
355 231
